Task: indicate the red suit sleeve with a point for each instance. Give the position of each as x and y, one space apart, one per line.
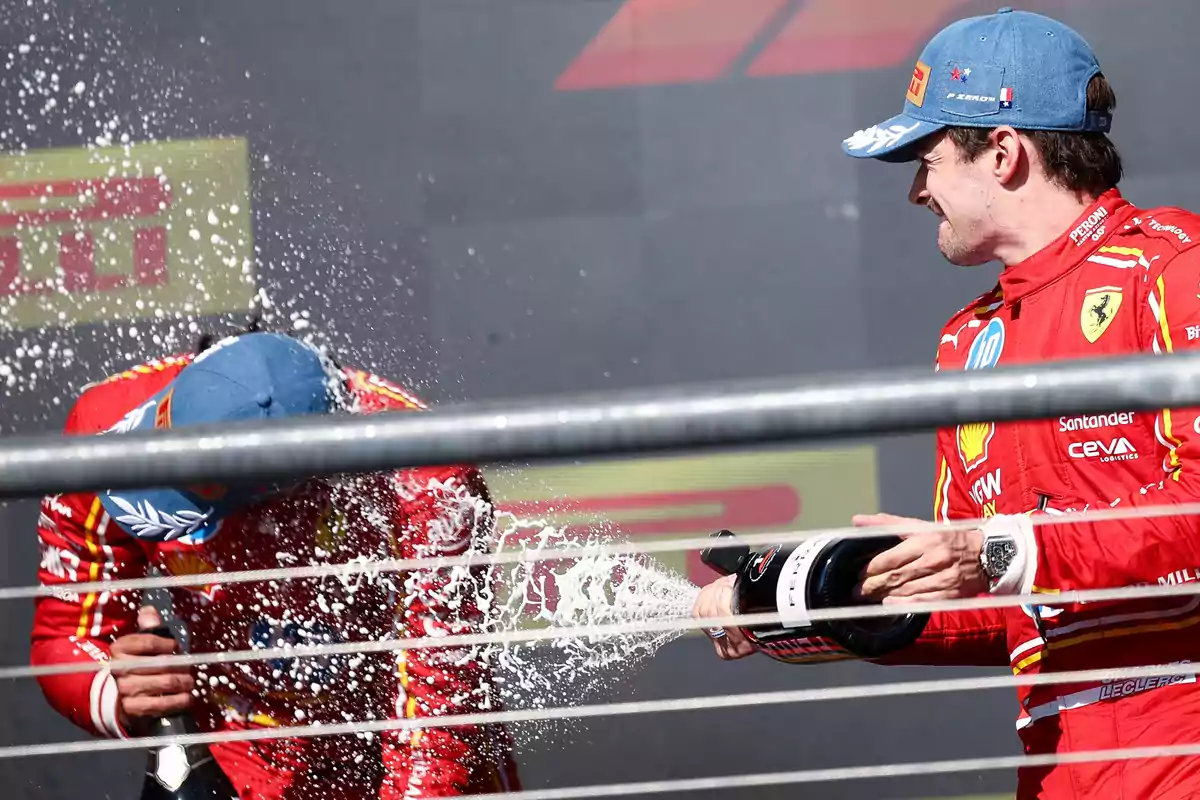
1128 552
444 511
79 544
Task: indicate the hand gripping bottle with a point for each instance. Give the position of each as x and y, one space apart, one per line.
798 579
182 772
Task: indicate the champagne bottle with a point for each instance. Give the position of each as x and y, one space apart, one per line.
794 580
182 772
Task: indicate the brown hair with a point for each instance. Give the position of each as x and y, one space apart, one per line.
1079 162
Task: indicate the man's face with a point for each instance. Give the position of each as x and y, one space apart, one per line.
958 192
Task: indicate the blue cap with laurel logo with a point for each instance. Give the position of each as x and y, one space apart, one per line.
1009 68
247 377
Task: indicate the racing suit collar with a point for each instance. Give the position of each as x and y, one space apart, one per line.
1082 239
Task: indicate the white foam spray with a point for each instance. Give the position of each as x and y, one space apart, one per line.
584 591
69 77
83 75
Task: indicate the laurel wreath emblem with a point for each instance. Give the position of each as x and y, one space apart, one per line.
876 137
147 522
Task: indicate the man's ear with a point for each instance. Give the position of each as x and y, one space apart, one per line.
1007 153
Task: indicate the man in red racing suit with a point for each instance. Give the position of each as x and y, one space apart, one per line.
409 513
1006 116
1122 280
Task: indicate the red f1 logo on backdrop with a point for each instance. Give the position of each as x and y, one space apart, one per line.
655 42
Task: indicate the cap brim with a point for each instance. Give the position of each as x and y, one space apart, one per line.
893 140
169 514
161 515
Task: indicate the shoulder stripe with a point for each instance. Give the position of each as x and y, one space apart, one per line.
1121 251
1162 315
1114 262
941 494
989 300
1166 333
90 538
377 385
148 368
989 308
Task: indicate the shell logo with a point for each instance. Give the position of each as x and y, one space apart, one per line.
189 563
973 441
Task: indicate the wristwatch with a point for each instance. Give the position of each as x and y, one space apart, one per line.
996 557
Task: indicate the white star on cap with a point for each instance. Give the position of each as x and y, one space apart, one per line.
967 72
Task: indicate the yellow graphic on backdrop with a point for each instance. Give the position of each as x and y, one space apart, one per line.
673 497
125 232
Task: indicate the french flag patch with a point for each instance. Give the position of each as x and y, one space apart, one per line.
1006 98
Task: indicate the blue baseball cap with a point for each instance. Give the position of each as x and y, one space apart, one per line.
1009 68
247 377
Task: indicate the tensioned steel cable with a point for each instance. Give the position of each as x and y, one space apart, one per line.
707 703
597 631
641 421
372 568
915 769
880 770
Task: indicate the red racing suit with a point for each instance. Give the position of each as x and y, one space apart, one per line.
409 513
1122 280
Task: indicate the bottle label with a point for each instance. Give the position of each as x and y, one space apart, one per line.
791 590
805 650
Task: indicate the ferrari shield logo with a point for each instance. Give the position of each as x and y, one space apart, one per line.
1099 309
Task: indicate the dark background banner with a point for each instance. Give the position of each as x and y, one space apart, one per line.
493 199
